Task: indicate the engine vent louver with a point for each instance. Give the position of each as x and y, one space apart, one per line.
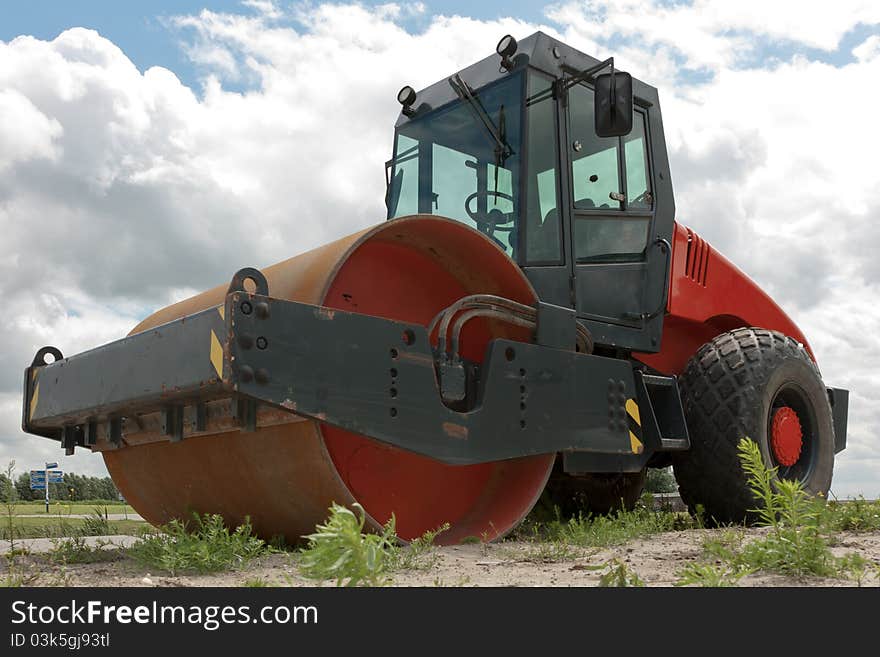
697 263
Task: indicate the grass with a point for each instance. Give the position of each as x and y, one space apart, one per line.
68 508
204 545
67 551
718 546
420 554
257 583
62 527
603 531
15 577
75 550
552 551
858 515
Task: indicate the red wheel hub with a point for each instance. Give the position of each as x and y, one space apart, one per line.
786 436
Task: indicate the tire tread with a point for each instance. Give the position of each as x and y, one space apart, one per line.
721 391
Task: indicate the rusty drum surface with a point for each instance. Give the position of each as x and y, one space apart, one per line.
285 477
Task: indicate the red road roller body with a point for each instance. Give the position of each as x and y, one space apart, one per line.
530 318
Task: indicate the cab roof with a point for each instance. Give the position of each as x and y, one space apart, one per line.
538 51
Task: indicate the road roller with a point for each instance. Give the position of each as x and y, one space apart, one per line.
529 320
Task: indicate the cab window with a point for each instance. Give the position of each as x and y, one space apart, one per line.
543 223
595 161
610 182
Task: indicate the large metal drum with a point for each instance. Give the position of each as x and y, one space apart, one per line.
285 477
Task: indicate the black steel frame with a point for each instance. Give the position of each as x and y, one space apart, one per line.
366 374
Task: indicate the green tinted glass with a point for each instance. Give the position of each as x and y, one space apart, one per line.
543 221
638 189
595 167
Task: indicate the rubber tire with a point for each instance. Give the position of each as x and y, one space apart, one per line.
727 390
595 494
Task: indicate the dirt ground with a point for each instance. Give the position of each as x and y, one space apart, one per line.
656 560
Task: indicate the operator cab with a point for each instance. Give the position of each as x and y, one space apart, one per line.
510 147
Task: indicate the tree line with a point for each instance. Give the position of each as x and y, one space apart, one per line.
74 487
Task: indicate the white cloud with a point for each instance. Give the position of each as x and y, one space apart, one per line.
267 8
867 49
30 135
128 189
715 33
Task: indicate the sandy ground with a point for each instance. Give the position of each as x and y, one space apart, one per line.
656 560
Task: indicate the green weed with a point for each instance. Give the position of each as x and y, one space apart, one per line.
800 527
859 515
96 524
857 567
604 531
76 550
714 575
13 578
723 546
420 554
205 545
257 583
10 496
795 544
618 574
15 575
441 583
340 550
549 552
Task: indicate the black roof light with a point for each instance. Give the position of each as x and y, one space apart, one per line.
506 48
406 97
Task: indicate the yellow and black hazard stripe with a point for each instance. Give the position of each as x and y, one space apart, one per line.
35 394
216 347
635 426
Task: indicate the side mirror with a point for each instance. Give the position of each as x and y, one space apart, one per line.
613 107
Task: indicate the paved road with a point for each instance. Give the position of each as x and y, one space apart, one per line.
109 516
46 544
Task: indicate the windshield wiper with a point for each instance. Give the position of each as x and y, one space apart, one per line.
498 135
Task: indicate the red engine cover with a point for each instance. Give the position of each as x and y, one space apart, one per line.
709 295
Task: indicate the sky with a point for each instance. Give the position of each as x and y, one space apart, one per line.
148 149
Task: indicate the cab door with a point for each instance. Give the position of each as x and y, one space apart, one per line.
619 264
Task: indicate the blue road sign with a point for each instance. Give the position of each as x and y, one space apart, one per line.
41 474
38 478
